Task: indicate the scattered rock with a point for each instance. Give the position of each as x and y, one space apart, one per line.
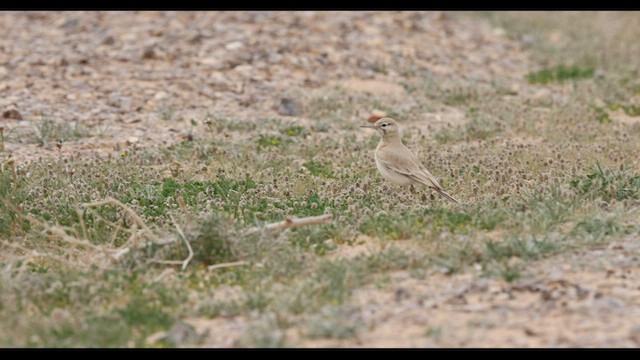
70 23
542 97
12 114
376 115
160 95
289 107
401 294
109 40
527 39
196 39
234 45
149 53
181 333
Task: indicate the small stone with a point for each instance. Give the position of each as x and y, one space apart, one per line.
160 95
528 39
196 39
149 53
234 45
12 114
376 115
289 107
109 40
542 97
181 333
70 23
209 61
401 293
132 140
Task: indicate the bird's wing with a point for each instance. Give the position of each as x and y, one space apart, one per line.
401 160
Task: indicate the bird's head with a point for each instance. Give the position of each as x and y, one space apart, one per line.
386 127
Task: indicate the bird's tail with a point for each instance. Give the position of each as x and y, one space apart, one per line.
446 195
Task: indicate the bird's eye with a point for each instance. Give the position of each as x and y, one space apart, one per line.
384 125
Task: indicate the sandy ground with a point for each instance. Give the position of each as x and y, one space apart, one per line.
139 78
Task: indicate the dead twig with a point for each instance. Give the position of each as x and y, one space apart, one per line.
229 264
120 253
184 238
164 273
60 232
292 222
32 253
128 210
136 219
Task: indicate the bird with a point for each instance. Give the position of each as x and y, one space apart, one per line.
397 164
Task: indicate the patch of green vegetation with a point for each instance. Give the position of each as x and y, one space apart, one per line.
602 116
560 73
214 242
434 332
141 313
11 196
47 130
390 259
460 96
271 140
332 322
509 272
388 226
315 238
631 110
97 331
528 248
597 230
497 257
409 225
154 197
319 168
265 332
214 308
440 219
294 130
489 215
68 308
608 184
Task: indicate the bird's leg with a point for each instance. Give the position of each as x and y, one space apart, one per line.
413 190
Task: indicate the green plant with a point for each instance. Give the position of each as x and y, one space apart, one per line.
560 73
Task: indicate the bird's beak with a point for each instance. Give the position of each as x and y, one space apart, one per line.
370 126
